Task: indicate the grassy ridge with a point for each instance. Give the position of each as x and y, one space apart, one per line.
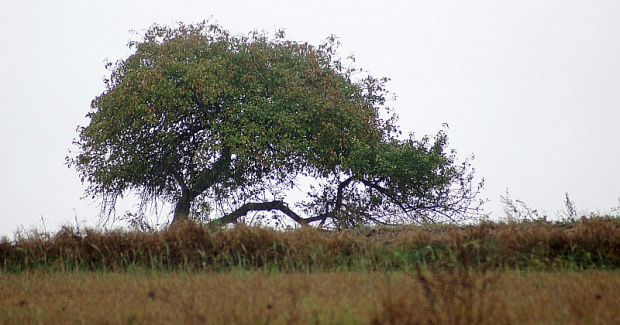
586 244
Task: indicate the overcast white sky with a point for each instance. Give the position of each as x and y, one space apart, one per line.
532 88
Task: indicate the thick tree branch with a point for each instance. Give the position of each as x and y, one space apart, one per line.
217 173
338 204
340 194
263 206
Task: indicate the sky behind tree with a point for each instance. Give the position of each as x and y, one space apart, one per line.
529 87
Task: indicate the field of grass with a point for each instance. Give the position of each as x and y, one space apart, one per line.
587 297
490 273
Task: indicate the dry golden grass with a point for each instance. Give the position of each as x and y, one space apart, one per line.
483 274
586 244
587 297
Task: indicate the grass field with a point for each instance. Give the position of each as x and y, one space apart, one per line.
490 273
588 297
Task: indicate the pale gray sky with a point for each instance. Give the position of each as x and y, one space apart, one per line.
532 88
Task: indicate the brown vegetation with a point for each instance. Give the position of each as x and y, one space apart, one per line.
585 244
588 297
490 273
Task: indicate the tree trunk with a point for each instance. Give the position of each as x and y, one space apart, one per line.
181 211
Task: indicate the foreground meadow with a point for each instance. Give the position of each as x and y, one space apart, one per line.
489 273
588 297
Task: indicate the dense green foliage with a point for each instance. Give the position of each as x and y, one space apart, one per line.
205 119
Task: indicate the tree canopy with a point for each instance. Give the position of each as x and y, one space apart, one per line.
226 124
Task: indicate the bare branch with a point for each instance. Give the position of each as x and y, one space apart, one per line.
262 206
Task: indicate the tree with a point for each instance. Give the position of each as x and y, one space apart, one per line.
219 122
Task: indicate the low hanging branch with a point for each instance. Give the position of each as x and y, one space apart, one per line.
263 206
279 205
268 206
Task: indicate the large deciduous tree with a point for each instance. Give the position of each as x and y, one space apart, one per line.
202 118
